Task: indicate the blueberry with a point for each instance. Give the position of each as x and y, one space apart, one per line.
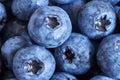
101 77
63 76
72 9
108 56
10 47
63 1
33 63
3 16
75 55
23 9
97 19
49 26
14 27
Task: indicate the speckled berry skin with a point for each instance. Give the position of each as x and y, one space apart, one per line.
63 76
33 63
49 26
75 55
9 48
108 56
23 9
101 77
3 16
97 19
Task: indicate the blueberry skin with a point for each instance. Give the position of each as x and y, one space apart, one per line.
23 9
33 63
14 27
73 9
97 19
62 1
108 56
49 26
63 76
101 77
9 48
75 55
3 16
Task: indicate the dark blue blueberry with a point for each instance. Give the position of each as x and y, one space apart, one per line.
14 27
33 63
23 9
97 19
75 55
10 47
49 26
3 16
72 9
62 1
108 56
63 76
101 77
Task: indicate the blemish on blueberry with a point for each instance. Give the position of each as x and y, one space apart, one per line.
52 22
102 23
69 55
34 66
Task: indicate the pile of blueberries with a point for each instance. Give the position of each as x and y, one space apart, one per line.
60 39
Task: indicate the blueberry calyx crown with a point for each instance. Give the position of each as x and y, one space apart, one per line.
69 54
52 22
33 66
102 23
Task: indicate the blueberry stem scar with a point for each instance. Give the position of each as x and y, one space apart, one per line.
69 55
102 23
52 22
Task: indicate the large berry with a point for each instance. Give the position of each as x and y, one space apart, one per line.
75 55
49 26
108 56
33 63
97 19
